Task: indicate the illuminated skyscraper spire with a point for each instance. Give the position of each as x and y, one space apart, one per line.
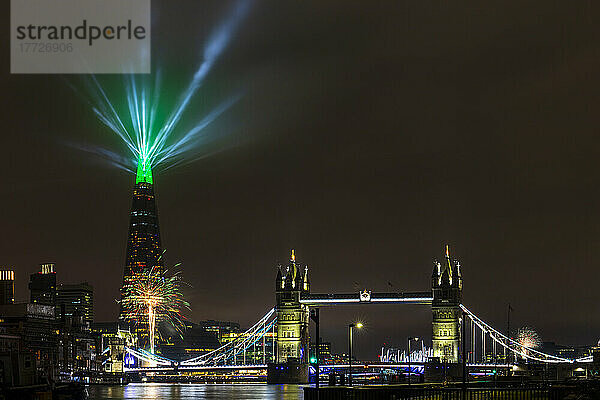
143 244
144 172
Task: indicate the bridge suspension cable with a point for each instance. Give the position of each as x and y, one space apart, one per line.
230 351
486 342
226 354
508 344
149 357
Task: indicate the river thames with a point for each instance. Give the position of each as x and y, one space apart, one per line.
170 391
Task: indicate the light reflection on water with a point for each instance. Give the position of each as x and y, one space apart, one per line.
166 391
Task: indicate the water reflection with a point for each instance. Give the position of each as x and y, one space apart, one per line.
164 391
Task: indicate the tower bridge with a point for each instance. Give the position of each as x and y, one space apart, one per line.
279 341
293 300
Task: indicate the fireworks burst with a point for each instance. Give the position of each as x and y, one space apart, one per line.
528 338
155 297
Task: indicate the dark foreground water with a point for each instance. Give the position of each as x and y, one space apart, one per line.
166 391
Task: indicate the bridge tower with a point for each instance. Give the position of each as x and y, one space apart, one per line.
291 358
446 283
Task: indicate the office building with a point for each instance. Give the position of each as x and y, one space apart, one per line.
42 285
75 301
7 287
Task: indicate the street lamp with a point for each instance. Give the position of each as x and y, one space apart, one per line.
356 325
409 340
314 315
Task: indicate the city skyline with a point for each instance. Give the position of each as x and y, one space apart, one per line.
365 154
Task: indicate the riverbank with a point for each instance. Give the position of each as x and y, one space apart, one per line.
71 391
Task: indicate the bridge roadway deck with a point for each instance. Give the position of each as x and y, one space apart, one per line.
322 367
260 366
331 299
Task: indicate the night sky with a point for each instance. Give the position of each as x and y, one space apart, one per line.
368 135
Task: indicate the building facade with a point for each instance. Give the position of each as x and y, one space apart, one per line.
111 340
195 341
75 302
221 329
7 287
324 352
292 347
34 325
446 282
42 285
292 316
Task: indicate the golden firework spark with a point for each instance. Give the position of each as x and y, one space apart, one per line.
155 297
